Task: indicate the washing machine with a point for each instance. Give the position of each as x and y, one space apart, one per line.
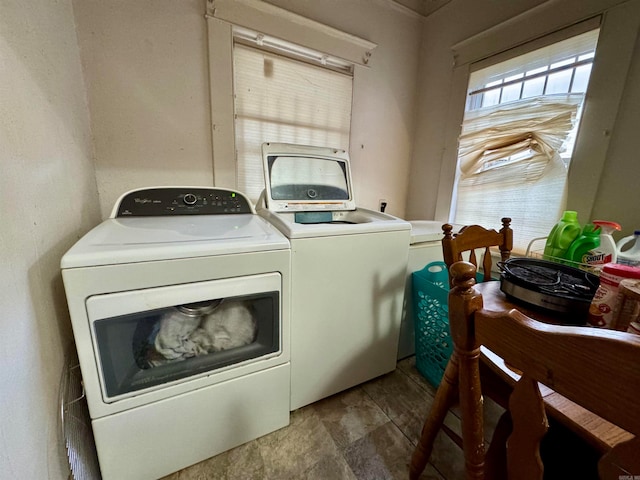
425 247
348 269
179 305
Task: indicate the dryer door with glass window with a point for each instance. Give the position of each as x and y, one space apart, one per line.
150 338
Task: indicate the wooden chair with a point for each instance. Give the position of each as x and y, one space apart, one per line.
595 368
454 248
474 237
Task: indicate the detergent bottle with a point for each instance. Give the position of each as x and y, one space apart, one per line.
582 249
631 256
607 252
562 236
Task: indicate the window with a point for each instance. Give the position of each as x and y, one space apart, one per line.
275 75
286 99
516 144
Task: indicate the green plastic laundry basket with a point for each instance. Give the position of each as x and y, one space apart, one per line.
431 319
430 288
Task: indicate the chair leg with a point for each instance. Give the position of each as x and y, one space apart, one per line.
496 458
472 413
446 396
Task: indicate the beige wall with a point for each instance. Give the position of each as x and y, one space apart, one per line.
145 66
429 183
617 197
48 200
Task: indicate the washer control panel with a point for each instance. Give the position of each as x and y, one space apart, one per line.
149 202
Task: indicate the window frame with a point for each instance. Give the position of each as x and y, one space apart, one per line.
259 16
547 24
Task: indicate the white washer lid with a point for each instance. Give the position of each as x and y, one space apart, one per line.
143 239
302 178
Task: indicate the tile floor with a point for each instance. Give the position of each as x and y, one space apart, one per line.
366 432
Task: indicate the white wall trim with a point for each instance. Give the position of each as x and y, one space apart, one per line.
540 42
280 23
537 22
220 49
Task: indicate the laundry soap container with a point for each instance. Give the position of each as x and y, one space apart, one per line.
582 248
562 236
630 256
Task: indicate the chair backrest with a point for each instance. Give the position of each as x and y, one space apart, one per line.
597 369
473 237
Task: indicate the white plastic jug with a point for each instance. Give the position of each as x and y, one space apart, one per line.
630 256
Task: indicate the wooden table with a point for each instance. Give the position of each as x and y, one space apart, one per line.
596 431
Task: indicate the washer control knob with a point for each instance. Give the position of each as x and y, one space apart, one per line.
190 199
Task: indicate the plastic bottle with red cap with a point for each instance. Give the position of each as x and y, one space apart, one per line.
607 252
595 246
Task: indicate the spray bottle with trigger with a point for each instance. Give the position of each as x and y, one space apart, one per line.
607 252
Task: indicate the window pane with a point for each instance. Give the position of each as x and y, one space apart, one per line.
511 93
492 97
581 79
533 87
559 82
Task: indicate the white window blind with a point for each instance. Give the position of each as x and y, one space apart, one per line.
280 99
510 165
517 138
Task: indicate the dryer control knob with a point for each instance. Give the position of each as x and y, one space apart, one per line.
190 199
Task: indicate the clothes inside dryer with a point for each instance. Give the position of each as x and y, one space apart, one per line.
144 349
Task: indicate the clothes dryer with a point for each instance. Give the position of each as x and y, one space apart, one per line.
179 305
348 271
